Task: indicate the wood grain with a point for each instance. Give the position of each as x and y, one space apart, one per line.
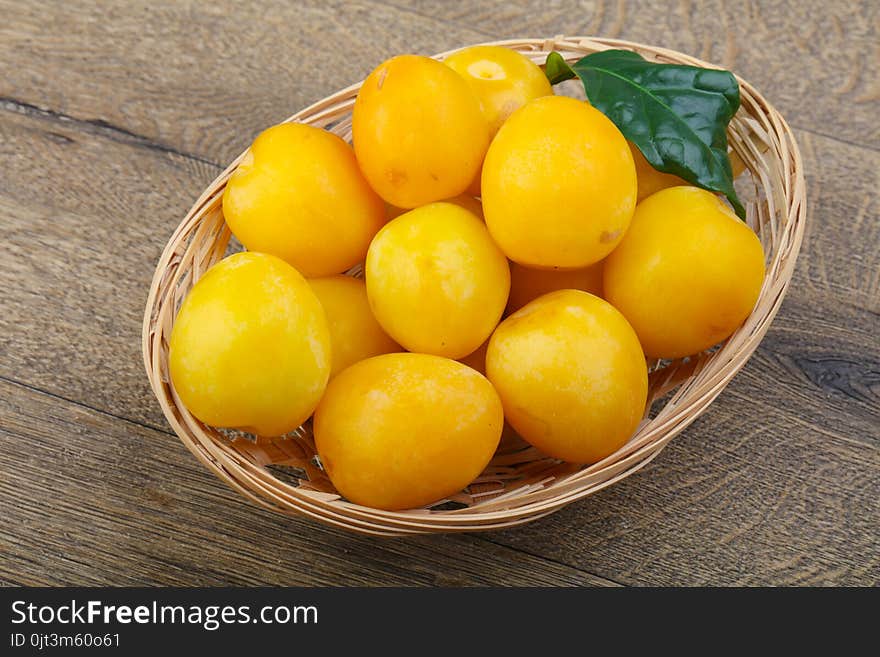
98 247
815 61
104 152
205 78
756 492
85 219
90 499
81 340
200 78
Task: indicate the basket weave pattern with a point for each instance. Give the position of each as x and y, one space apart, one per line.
520 484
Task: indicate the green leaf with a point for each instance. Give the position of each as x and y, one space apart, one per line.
557 69
676 115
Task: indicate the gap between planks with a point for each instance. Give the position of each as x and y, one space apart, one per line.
97 128
601 579
102 128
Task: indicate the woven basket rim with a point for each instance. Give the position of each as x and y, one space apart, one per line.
779 217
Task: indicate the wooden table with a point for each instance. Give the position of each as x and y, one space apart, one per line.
114 118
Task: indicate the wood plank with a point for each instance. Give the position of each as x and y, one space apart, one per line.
843 227
201 78
749 495
824 53
71 317
788 452
820 367
821 359
90 499
778 482
84 220
205 78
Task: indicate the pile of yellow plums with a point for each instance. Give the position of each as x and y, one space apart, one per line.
520 261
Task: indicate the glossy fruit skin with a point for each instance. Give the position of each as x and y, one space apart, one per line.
299 195
403 430
687 273
436 282
354 332
503 79
571 375
558 185
649 179
419 132
250 348
528 284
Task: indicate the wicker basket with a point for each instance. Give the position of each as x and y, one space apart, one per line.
520 484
